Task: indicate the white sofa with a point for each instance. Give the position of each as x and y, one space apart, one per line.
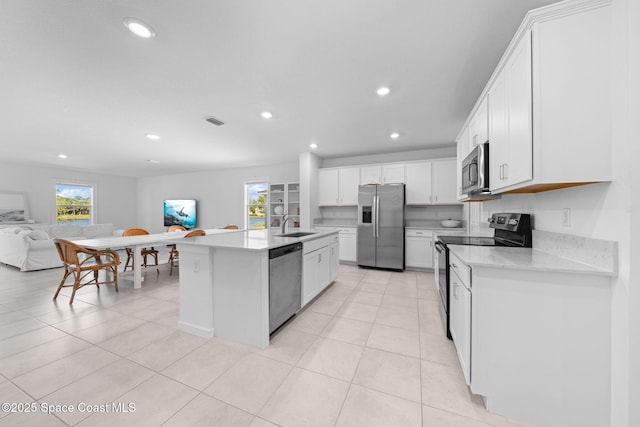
30 246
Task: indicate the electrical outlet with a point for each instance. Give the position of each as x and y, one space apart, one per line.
566 217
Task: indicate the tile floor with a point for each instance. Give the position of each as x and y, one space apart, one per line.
370 351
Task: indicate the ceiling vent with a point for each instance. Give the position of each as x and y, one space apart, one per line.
214 121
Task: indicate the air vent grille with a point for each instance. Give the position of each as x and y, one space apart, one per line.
214 121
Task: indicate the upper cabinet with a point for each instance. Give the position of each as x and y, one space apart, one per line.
429 183
479 125
511 146
548 102
382 174
338 187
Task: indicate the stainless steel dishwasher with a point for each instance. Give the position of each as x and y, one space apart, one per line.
285 284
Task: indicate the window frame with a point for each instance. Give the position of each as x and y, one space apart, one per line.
93 199
246 205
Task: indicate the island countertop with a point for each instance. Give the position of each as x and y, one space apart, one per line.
257 240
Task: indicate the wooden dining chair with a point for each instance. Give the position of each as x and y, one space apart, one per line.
231 227
175 255
176 228
145 251
85 265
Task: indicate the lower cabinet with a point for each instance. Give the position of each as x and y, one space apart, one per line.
460 318
334 253
347 242
316 267
418 249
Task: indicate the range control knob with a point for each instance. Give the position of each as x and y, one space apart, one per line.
513 222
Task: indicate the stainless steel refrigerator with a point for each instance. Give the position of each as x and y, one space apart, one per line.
381 226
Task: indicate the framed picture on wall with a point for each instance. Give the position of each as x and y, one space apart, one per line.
14 207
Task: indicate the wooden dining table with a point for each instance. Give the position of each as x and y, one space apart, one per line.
137 243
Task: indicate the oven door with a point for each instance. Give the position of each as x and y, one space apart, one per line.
441 272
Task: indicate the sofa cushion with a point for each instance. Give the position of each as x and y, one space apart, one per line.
35 234
66 231
11 230
97 230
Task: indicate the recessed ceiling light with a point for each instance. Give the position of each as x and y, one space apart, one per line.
313 145
139 28
382 91
394 135
62 156
153 161
152 136
266 115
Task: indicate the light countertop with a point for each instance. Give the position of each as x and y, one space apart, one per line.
522 259
253 239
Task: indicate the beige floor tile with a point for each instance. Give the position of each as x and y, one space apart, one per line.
402 290
348 330
339 290
428 293
158 312
395 340
206 411
326 305
43 354
444 387
49 378
409 304
356 311
135 339
100 387
12 316
336 359
18 327
438 348
154 402
364 407
109 329
377 276
433 417
390 373
310 322
9 393
288 346
201 367
369 298
84 321
378 288
136 305
306 399
62 310
22 342
398 317
31 419
259 422
249 383
165 351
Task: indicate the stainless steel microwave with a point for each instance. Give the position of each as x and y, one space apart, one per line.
475 171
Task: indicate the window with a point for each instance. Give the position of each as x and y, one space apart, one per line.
256 195
74 204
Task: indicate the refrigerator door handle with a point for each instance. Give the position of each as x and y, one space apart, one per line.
377 199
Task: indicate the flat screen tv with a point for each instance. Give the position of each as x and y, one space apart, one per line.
180 212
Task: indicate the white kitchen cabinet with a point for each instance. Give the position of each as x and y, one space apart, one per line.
431 183
444 182
548 102
316 268
462 150
479 125
284 198
460 312
382 174
338 187
418 249
348 243
334 261
511 154
418 183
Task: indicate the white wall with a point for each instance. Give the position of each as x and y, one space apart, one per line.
219 193
115 202
403 156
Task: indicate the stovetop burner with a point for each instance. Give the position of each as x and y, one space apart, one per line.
473 241
510 229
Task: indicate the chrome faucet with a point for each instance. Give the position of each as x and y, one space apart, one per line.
285 218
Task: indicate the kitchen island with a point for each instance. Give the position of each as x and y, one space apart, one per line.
224 282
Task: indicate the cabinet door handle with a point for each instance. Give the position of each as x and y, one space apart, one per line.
455 290
454 265
506 171
436 198
319 258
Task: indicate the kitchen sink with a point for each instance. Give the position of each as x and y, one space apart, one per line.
296 234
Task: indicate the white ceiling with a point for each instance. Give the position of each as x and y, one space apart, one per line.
73 80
